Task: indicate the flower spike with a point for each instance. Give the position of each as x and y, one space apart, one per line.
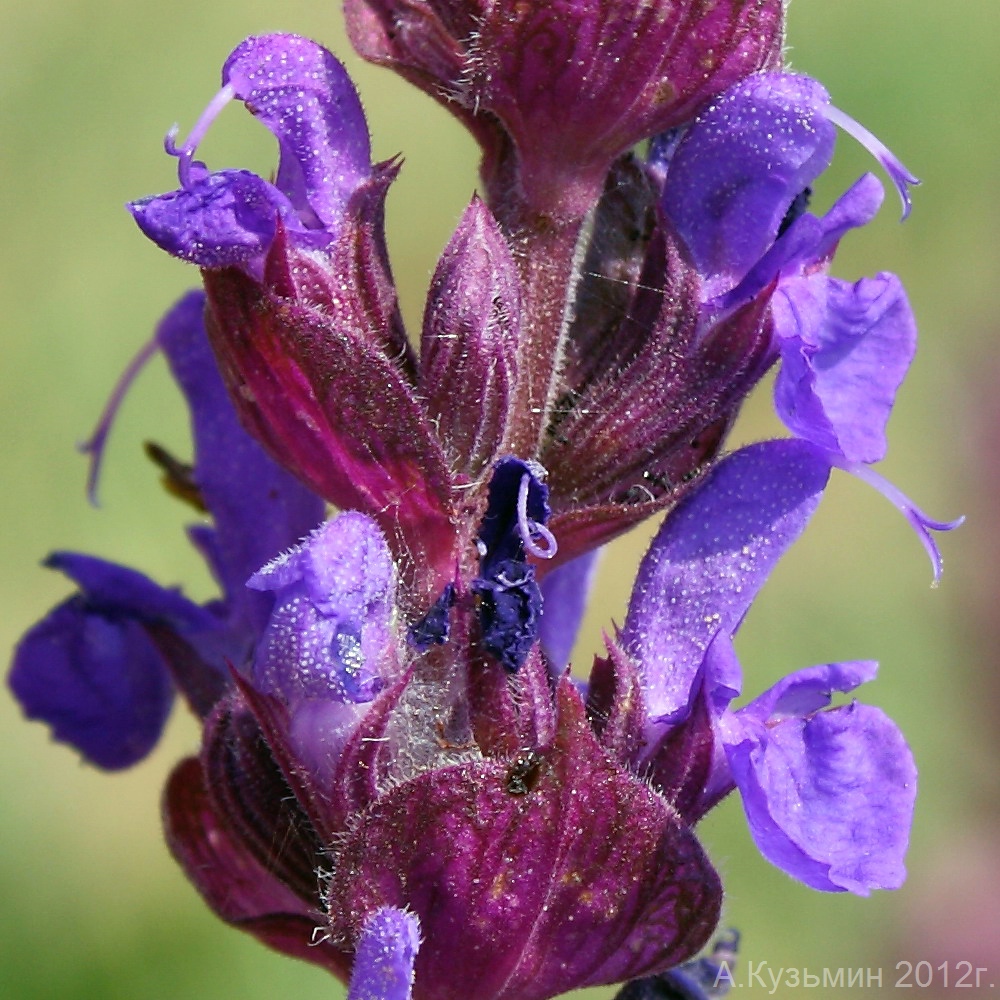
399 779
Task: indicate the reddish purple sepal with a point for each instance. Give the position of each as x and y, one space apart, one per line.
651 415
568 872
326 400
471 334
572 83
241 887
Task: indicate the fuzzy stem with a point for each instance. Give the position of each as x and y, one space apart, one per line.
546 252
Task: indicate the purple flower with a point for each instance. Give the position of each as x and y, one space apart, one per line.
735 186
828 793
306 99
102 667
733 190
386 952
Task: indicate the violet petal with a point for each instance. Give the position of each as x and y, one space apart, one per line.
97 680
809 241
306 99
828 797
712 555
740 166
258 509
384 958
229 218
808 691
845 349
196 643
564 594
330 627
118 590
222 219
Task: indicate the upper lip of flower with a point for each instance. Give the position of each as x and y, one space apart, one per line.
733 174
306 99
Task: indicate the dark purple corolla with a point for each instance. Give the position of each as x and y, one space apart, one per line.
399 779
102 667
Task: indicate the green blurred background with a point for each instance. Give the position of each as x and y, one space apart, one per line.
91 905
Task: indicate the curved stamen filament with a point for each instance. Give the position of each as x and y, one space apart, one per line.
94 445
186 150
901 177
919 521
529 529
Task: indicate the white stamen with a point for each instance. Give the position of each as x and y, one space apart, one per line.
894 167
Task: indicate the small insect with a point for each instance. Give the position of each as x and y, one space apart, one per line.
524 772
178 477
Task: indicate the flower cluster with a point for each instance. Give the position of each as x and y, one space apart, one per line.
397 767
